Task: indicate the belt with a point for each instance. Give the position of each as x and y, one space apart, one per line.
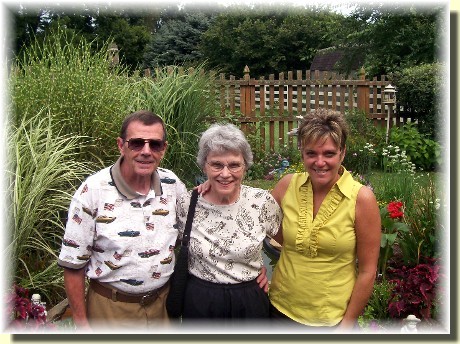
116 295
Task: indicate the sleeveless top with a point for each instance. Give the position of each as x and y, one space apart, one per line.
315 275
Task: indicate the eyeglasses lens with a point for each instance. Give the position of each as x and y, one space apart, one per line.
138 144
233 167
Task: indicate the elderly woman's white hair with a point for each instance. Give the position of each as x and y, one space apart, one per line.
221 138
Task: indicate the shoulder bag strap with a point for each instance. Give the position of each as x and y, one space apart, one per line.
191 213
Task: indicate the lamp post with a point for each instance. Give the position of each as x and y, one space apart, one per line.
389 98
113 54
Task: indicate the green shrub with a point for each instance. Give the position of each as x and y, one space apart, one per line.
419 91
360 154
360 159
422 151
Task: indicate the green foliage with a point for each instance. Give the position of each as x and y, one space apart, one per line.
268 38
176 41
420 89
360 154
78 88
389 187
182 99
297 167
396 160
396 37
128 30
377 306
393 226
422 151
424 237
261 183
42 172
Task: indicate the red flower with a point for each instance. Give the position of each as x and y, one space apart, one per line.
394 210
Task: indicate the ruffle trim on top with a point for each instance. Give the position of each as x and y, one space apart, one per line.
307 235
303 237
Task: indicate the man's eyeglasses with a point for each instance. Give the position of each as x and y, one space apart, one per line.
136 144
232 167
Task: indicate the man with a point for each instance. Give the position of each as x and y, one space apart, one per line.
121 233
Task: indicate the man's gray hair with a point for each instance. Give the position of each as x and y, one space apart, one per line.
221 138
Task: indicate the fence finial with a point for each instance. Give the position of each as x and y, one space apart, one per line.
362 73
246 73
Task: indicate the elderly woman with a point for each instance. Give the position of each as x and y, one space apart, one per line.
330 233
230 223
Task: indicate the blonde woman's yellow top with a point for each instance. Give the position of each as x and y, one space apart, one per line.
314 277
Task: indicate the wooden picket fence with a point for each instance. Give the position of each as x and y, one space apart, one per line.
269 107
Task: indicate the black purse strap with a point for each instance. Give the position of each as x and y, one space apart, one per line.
191 213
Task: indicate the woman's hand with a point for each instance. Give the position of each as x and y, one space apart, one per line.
262 279
203 188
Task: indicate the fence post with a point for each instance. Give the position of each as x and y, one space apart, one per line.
248 94
363 93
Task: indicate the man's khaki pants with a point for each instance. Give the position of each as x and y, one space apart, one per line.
103 313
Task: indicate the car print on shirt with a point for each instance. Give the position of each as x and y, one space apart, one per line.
148 253
135 204
111 265
129 233
168 180
162 212
166 260
95 248
105 219
98 271
84 257
156 275
70 243
89 212
131 281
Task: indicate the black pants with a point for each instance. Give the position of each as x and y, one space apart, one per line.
281 318
205 300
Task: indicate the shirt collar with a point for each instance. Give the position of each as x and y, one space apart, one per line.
123 187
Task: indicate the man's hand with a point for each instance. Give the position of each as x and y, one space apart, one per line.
262 279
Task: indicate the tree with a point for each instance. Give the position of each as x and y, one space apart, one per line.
177 39
393 39
128 29
27 23
269 39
